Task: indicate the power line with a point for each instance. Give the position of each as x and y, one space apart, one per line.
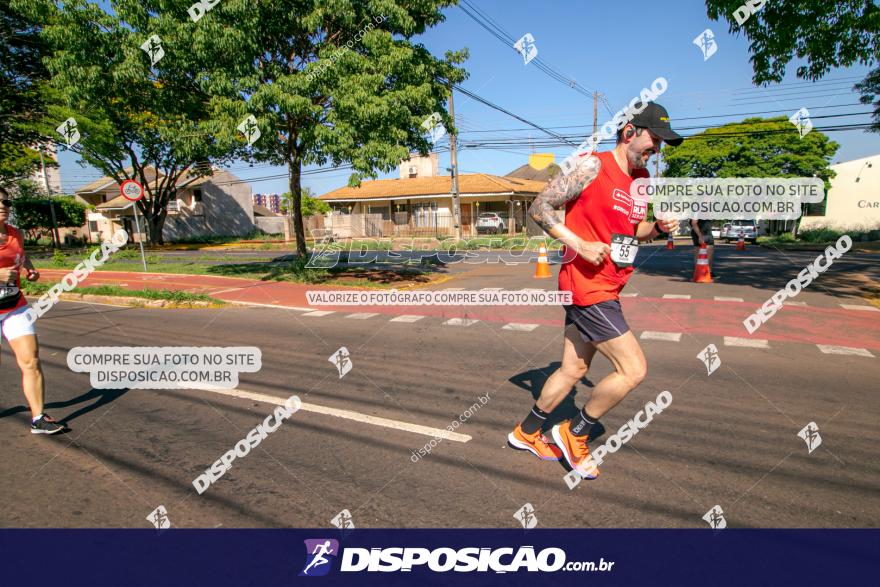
496 30
473 96
585 126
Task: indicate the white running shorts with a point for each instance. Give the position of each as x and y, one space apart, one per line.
14 324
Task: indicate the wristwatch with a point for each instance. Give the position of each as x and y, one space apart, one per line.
657 227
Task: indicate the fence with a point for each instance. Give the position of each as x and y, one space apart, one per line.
399 224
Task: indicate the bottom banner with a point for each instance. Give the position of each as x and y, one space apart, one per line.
173 557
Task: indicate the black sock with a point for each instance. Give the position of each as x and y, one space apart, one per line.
534 420
581 424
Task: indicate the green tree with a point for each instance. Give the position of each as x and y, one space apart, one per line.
140 114
327 82
755 147
825 34
310 204
21 101
32 212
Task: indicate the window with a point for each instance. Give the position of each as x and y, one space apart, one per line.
425 214
383 210
93 225
197 195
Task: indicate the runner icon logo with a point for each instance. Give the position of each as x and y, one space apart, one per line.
343 520
526 516
810 434
159 518
342 360
320 554
526 47
710 358
706 43
715 518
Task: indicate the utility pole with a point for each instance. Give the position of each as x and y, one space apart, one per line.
56 238
453 160
595 112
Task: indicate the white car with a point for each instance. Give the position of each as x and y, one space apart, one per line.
491 222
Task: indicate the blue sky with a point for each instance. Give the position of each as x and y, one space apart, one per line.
613 47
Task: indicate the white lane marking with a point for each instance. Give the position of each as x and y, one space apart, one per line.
863 308
676 297
280 307
726 299
454 289
520 327
491 289
362 315
669 336
318 313
407 318
220 291
843 350
460 322
755 343
799 304
629 295
347 414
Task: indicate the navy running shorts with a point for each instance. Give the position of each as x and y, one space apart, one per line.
598 322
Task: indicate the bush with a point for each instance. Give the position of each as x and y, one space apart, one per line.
31 209
59 259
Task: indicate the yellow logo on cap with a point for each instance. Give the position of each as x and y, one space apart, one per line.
664 119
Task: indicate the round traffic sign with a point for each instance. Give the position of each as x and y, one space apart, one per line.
131 190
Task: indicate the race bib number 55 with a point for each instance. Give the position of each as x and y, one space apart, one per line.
624 249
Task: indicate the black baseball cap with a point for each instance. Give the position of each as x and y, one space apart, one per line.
656 119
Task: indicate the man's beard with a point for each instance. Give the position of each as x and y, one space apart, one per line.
636 161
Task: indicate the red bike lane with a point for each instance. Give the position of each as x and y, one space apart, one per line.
799 324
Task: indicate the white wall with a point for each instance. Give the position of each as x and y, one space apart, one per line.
851 205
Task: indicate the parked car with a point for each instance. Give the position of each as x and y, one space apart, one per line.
745 227
725 230
716 232
491 222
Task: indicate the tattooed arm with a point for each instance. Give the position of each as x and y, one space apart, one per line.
560 190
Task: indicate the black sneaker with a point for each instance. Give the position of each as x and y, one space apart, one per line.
46 425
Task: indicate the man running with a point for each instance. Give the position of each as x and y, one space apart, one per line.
603 224
701 234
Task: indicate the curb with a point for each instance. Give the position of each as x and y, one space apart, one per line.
131 301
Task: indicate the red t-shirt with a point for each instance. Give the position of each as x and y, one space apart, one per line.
12 255
603 208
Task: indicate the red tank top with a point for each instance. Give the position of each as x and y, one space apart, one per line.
12 255
604 208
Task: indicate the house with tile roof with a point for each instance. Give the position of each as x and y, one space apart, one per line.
219 204
419 203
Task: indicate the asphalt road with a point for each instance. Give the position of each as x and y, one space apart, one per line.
728 439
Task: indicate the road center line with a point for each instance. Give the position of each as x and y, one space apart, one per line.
347 414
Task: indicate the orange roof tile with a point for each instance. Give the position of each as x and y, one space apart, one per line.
477 183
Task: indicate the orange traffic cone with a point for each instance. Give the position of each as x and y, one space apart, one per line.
701 269
741 243
543 268
670 244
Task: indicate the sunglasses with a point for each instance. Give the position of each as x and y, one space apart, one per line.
7 203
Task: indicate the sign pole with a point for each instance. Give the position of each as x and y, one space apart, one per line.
133 191
140 238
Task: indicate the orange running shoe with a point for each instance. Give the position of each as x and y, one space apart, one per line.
536 443
575 450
